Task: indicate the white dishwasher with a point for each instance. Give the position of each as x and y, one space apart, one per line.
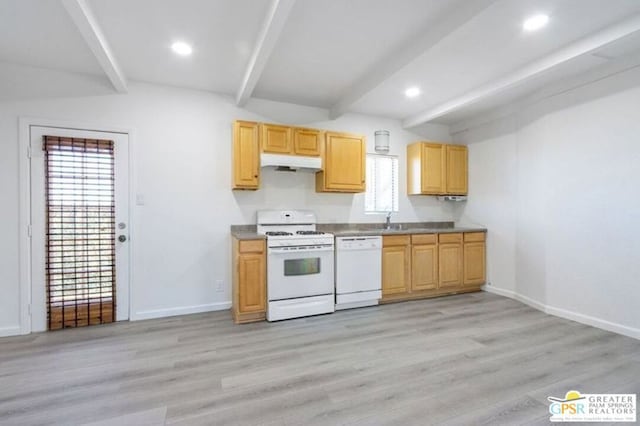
358 271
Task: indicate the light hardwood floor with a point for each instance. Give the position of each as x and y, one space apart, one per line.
469 359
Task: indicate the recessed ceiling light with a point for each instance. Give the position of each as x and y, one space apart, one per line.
412 92
535 22
181 48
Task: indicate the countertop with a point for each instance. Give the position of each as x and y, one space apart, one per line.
248 235
370 232
248 232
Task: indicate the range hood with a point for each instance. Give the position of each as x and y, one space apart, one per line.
452 198
291 163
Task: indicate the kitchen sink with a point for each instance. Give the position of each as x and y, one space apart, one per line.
395 227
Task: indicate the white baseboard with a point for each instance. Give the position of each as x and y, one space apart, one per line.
10 331
513 295
563 313
595 322
182 310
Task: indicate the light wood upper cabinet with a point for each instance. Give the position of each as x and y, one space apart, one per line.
426 168
474 259
276 139
246 155
344 164
307 142
450 258
457 170
249 280
396 265
436 169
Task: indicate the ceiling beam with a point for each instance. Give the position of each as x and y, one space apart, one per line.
625 67
462 13
270 32
531 70
84 19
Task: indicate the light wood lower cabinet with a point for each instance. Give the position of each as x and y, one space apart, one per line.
451 260
249 280
474 258
396 265
428 265
424 261
413 267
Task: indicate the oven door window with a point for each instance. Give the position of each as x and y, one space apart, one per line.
306 266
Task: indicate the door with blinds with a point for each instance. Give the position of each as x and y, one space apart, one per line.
80 247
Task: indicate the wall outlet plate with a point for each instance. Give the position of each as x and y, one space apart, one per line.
219 286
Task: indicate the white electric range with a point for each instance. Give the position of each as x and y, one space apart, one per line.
300 265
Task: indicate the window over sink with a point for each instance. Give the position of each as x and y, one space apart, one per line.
382 184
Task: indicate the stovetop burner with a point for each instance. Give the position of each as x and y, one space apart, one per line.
309 232
277 233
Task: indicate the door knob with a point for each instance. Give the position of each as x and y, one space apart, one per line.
122 238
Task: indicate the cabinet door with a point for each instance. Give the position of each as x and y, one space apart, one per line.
396 269
276 139
307 142
246 155
252 282
450 264
424 261
433 168
344 163
456 170
474 263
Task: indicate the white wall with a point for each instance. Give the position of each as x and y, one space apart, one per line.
492 183
182 164
557 185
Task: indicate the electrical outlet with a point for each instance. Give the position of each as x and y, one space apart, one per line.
219 286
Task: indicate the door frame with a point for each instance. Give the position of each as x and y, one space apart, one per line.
24 162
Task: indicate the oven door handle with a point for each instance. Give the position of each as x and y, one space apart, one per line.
289 250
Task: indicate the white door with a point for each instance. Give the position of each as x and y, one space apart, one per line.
43 181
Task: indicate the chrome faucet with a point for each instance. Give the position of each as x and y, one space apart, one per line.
387 224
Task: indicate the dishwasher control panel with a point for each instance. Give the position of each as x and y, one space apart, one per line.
358 243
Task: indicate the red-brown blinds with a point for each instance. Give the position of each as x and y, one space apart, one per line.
80 231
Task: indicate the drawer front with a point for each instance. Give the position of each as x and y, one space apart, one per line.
252 246
450 238
424 238
473 236
396 240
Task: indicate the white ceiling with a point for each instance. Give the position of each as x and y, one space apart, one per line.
222 34
467 56
488 47
327 45
40 33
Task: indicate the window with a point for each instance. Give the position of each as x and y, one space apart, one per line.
382 184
